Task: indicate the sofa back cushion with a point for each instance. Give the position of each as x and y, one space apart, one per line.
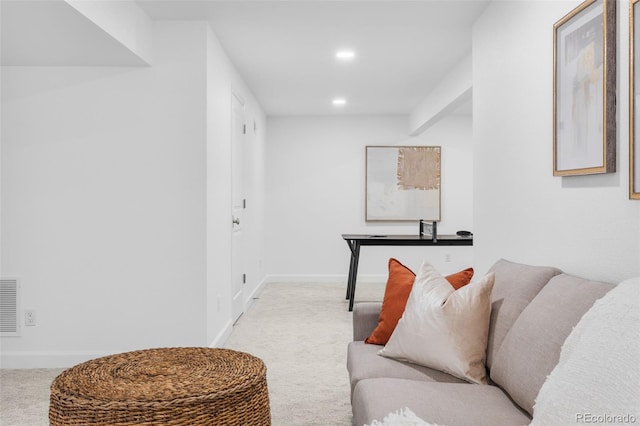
531 348
515 286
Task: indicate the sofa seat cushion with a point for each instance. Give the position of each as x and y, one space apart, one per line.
363 362
447 404
531 349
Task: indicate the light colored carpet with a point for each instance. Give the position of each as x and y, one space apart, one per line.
299 330
24 396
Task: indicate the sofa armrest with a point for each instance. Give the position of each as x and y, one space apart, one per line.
365 319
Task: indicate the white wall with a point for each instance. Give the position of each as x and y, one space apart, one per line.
585 225
115 195
103 192
254 185
223 81
116 188
316 192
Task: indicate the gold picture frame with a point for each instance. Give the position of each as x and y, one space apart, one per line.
634 119
584 90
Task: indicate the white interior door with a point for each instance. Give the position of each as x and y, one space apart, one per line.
238 130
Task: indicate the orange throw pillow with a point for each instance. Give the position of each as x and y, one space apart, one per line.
397 292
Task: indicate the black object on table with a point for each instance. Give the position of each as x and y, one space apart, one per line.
355 241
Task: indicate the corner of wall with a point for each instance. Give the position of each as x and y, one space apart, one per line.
451 92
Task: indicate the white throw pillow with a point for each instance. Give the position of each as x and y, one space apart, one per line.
596 379
443 328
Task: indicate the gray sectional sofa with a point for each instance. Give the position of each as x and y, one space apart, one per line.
533 311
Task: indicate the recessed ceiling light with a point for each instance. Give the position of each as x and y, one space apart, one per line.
345 54
339 101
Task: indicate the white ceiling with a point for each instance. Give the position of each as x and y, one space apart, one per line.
285 49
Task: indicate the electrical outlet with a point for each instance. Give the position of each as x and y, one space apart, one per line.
447 257
30 317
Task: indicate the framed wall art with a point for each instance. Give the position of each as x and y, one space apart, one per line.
634 98
584 78
403 183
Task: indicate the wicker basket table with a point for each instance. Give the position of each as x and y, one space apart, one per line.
168 386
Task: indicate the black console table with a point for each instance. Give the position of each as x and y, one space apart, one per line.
355 241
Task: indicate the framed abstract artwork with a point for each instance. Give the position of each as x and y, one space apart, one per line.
584 79
634 98
403 183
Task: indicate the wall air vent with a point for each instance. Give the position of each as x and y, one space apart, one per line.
9 306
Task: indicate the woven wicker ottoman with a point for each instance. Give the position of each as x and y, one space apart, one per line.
169 386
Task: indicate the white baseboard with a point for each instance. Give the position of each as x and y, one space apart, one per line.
47 359
322 278
254 294
66 359
222 337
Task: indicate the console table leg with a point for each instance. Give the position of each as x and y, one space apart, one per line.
351 262
351 290
351 245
